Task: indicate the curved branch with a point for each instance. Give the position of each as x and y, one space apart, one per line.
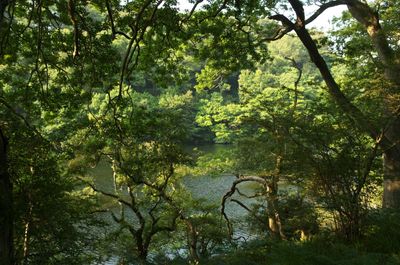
191 11
323 7
241 204
283 19
113 29
288 26
232 191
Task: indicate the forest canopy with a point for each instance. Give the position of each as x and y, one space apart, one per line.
227 132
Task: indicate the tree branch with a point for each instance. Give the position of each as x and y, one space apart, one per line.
299 10
113 29
323 7
232 190
111 195
72 13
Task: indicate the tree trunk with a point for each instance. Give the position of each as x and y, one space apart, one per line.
192 242
26 242
391 64
365 15
27 233
274 222
6 207
143 252
391 167
141 246
6 200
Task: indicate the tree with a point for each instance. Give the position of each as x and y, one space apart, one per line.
386 56
101 50
285 129
386 136
143 142
38 109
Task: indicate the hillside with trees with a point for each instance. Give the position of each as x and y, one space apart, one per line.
218 132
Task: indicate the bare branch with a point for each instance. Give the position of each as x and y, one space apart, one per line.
323 7
153 218
282 31
288 26
135 208
283 19
113 29
136 39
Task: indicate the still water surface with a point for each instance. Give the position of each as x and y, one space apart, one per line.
209 188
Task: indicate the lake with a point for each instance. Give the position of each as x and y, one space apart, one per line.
210 188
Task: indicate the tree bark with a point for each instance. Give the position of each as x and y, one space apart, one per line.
391 64
273 217
6 207
27 232
370 20
391 167
274 221
192 242
143 255
141 247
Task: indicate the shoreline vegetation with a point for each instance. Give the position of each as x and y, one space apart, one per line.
230 132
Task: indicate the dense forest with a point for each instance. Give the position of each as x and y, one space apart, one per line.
200 132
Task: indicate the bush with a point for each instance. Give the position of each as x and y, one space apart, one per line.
382 232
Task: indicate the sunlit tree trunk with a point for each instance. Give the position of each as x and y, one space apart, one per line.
390 61
27 232
274 222
27 240
114 173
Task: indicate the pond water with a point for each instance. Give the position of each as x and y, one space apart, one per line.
209 188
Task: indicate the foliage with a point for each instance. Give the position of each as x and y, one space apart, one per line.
319 251
130 84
